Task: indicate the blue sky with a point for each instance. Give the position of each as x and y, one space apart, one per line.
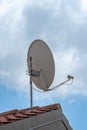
63 26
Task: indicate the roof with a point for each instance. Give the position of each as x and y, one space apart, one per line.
35 118
14 115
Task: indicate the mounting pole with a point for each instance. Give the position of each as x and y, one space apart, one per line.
31 92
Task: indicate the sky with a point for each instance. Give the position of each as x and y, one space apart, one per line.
62 24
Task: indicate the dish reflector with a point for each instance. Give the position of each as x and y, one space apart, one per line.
43 62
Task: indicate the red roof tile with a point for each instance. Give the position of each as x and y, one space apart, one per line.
14 115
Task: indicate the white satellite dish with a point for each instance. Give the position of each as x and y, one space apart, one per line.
41 67
42 62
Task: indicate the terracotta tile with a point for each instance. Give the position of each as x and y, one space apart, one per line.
12 117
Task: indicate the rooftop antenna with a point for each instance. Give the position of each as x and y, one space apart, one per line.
41 67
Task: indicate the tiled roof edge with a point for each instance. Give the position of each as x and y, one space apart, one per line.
14 115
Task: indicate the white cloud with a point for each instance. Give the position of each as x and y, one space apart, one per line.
3 9
12 46
83 4
66 61
69 62
78 15
71 102
4 73
47 4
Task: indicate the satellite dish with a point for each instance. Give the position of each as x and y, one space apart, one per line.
43 68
